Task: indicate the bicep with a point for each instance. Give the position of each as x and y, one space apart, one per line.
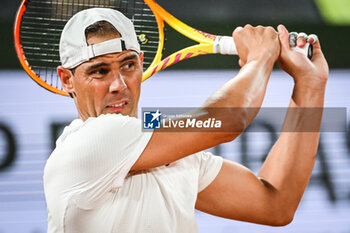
236 193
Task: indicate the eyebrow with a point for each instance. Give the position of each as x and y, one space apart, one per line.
98 65
130 57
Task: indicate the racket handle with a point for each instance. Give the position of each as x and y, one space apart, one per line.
226 46
307 50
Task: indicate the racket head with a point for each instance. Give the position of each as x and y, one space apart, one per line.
39 24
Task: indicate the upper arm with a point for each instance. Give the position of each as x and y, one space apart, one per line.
236 193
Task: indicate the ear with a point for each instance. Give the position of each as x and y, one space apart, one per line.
66 77
141 58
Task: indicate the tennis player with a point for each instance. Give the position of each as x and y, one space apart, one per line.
106 175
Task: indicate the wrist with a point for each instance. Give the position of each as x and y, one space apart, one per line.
314 85
267 59
262 65
309 95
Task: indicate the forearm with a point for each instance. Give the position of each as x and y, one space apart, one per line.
289 164
245 92
247 89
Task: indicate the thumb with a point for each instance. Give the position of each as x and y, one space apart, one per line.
283 36
317 53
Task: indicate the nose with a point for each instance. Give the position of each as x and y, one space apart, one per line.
118 84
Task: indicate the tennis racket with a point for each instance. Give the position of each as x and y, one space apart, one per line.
39 24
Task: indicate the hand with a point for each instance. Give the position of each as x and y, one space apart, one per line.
307 73
255 43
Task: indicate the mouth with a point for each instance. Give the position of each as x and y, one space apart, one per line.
117 107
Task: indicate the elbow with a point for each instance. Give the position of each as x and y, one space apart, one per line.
228 137
232 134
282 219
287 221
233 122
235 128
239 121
279 214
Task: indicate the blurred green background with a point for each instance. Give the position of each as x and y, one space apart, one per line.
329 19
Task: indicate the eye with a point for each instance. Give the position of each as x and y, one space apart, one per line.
128 66
99 72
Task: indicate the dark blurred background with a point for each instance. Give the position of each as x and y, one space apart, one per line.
329 19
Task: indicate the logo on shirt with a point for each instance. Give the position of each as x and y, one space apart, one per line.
152 119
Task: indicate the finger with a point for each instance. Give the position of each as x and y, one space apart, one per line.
318 56
237 29
312 39
283 36
317 44
317 50
249 26
301 41
235 32
241 63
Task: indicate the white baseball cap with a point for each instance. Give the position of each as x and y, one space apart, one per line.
73 46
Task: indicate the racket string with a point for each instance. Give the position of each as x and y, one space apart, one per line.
43 22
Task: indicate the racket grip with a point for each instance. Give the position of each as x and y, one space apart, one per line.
226 46
307 50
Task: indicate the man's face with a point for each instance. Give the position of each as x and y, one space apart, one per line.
109 83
